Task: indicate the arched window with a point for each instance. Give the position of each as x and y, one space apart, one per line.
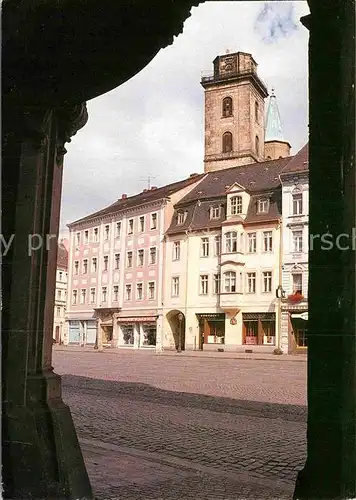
227 142
227 107
230 282
256 111
257 145
231 242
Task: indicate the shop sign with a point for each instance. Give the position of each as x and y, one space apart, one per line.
142 319
258 316
211 316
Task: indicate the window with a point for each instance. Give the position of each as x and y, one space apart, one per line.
118 230
227 142
59 294
142 224
106 263
251 282
95 235
301 337
216 284
263 206
217 245
128 334
256 111
236 205
129 259
130 226
204 281
76 266
86 237
230 282
83 296
85 266
175 286
153 221
94 264
227 107
180 217
77 239
231 242
205 247
297 241
92 295
60 276
104 294
117 261
267 281
252 243
215 212
116 293
153 255
106 232
58 311
267 241
176 250
139 290
140 257
297 204
151 290
128 292
75 297
297 283
257 145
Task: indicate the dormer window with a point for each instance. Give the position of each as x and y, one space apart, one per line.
227 107
181 216
227 142
263 205
215 212
236 205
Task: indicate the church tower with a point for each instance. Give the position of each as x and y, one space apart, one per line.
234 113
275 145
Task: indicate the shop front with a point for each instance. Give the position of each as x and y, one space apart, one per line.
137 332
211 329
299 331
259 329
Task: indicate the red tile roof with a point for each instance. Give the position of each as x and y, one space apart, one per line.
62 257
299 162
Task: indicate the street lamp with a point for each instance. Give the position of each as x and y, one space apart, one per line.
180 319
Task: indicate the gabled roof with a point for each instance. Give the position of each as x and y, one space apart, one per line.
147 196
62 257
299 162
255 177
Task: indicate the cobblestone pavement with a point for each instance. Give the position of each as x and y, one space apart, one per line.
227 416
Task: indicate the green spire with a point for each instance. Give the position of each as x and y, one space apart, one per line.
273 130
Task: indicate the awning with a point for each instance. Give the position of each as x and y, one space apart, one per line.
139 319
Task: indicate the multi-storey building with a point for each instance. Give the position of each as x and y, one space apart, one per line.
295 207
222 263
59 324
116 267
195 264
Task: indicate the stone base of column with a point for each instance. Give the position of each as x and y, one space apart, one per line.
41 454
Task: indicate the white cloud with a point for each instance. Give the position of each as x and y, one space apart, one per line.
154 123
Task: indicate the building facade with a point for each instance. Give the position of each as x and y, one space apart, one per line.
295 206
222 263
60 332
116 266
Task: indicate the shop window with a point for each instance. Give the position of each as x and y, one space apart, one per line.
128 334
149 335
251 332
301 338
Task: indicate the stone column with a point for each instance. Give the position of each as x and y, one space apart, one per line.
115 331
41 454
137 333
330 469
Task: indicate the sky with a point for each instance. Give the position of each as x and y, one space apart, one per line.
153 125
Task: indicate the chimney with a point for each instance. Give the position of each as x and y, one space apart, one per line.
153 188
123 196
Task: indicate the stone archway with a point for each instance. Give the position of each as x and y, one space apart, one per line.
176 320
